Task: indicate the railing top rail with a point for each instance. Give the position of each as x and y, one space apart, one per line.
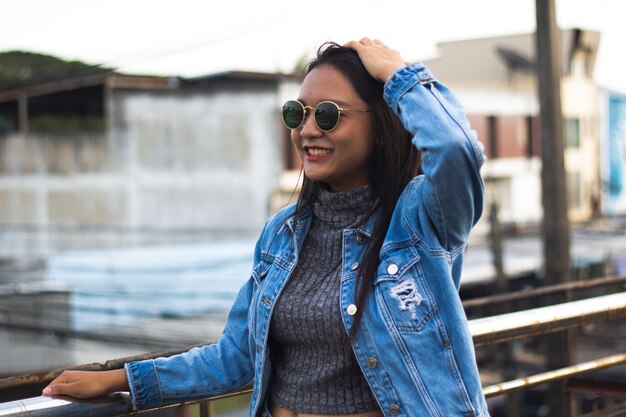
117 404
533 322
114 405
533 380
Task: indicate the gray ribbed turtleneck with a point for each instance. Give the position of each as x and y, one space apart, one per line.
314 368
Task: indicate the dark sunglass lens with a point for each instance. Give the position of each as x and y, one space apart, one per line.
293 113
326 116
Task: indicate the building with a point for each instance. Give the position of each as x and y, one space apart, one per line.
495 79
613 152
136 155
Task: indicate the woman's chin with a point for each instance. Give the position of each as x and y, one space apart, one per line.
316 176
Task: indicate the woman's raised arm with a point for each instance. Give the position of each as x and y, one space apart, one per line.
451 190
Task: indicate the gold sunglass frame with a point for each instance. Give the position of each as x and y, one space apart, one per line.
304 114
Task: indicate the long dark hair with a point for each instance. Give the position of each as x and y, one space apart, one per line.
393 163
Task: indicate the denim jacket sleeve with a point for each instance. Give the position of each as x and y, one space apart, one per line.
451 188
199 372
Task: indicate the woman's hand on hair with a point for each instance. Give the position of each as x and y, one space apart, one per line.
379 60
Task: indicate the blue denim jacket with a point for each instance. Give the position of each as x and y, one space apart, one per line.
413 343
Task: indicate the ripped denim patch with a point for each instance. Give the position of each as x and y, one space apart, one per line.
406 294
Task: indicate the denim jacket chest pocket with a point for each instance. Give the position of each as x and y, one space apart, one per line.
402 291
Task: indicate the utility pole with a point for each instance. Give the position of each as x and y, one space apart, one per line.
556 243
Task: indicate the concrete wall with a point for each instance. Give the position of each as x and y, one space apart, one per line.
38 173
195 160
167 161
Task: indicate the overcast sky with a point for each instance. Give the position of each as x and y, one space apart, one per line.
192 37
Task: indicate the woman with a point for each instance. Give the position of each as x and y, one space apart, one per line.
352 307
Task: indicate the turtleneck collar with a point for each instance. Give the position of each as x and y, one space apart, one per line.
345 207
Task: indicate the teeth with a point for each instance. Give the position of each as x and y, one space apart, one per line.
318 151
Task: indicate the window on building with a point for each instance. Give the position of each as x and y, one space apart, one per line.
506 136
8 118
72 111
571 132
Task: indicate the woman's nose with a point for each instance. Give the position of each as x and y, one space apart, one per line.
309 127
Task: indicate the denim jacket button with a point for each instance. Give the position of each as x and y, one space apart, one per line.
354 266
392 269
360 238
351 310
394 409
372 362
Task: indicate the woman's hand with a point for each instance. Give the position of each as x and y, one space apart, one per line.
84 384
379 60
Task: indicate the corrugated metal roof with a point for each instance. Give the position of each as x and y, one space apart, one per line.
115 80
109 79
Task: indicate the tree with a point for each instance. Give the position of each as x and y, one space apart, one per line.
18 68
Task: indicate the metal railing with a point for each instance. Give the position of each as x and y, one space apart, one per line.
538 293
538 321
485 331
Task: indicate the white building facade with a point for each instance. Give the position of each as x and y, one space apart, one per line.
495 80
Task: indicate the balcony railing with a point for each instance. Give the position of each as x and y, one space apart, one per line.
485 331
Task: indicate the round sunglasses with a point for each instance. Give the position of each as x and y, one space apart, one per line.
326 114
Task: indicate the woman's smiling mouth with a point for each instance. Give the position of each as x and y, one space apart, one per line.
315 151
